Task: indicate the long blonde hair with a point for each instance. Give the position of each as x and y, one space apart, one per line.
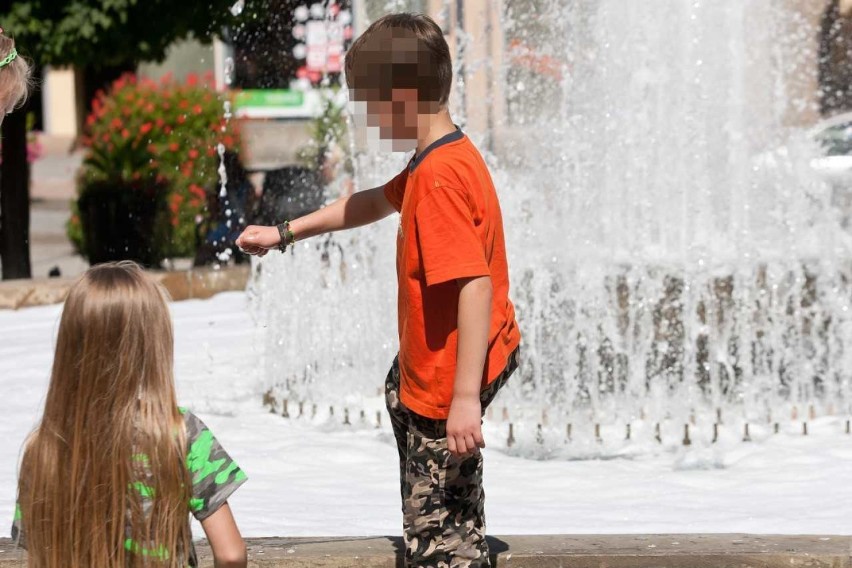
111 421
15 78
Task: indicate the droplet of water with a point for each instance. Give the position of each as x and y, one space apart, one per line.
223 173
229 70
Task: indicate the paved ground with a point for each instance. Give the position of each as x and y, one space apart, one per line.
51 191
50 246
587 551
53 174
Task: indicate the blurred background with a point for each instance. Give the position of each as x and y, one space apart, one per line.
109 70
676 181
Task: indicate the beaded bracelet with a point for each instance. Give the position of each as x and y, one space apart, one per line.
288 237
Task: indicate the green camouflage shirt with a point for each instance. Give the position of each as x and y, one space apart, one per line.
215 476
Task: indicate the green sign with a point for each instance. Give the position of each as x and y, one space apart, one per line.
269 98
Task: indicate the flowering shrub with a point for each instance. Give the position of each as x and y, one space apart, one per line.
163 131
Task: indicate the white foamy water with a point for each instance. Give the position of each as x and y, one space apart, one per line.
667 259
308 479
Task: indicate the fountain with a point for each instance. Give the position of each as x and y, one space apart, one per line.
674 259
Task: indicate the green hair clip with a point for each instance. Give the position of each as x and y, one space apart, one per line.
9 58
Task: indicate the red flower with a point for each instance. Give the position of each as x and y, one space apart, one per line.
150 107
167 129
166 79
184 104
193 153
152 148
211 151
160 122
174 204
105 137
125 134
197 191
116 123
146 128
228 140
174 147
181 118
192 79
197 109
90 120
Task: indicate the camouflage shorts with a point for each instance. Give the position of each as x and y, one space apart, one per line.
442 496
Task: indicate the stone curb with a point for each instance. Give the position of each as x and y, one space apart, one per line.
554 551
197 283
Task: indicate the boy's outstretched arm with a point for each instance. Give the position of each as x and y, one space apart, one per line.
464 424
360 208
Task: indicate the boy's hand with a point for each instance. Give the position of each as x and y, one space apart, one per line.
464 426
258 240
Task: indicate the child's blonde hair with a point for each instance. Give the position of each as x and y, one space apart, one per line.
15 77
111 424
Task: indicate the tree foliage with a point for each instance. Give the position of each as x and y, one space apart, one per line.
108 33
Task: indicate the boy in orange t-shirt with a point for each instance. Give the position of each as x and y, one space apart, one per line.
458 336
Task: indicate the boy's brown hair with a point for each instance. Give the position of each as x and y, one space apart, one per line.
15 80
401 51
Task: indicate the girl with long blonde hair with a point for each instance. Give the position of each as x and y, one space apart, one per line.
112 472
14 76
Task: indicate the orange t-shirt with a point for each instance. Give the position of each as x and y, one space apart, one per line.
450 227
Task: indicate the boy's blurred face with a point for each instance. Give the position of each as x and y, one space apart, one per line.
395 121
383 88
397 118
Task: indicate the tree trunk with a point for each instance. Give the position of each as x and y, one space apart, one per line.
15 198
